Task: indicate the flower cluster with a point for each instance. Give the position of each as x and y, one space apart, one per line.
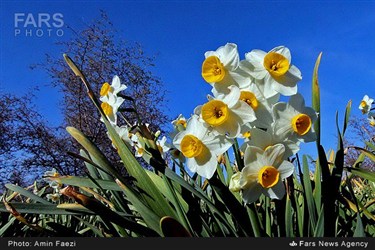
366 107
111 101
244 105
56 186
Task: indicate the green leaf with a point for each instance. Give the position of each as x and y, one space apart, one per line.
347 116
319 229
4 228
237 210
316 97
149 216
267 208
164 189
367 153
289 225
359 229
370 145
177 203
308 193
364 173
359 160
90 167
318 186
93 228
152 194
199 193
95 153
86 182
26 193
38 208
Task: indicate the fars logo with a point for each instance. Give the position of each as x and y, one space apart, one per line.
38 25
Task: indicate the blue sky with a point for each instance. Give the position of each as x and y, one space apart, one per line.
179 32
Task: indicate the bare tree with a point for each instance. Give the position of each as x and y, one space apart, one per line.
360 132
101 55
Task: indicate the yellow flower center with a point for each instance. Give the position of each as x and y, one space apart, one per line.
181 122
372 123
250 99
363 104
213 70
268 176
276 64
191 146
267 147
215 112
301 124
140 151
247 134
106 88
107 109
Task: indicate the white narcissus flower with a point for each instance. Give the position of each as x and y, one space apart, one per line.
201 147
221 67
51 182
371 120
53 197
111 106
226 113
234 183
179 124
262 139
253 96
123 132
163 146
365 104
293 120
264 173
275 69
139 149
114 88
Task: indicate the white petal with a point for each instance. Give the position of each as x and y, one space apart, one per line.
274 154
217 144
311 113
195 127
260 138
285 169
249 175
286 88
252 193
231 127
276 192
197 110
297 102
207 169
252 154
240 77
232 97
268 86
263 117
308 137
291 148
228 55
192 164
244 113
255 56
283 51
294 73
116 82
